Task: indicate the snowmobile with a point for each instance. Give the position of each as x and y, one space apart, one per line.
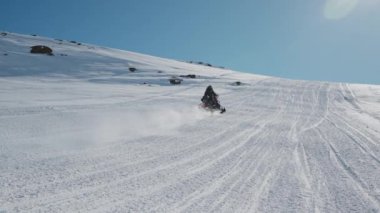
210 101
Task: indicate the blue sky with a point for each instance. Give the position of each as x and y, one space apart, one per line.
332 40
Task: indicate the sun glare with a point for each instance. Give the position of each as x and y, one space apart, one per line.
338 9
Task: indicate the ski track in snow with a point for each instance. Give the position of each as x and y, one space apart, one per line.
283 146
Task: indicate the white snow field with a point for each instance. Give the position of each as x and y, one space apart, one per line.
83 133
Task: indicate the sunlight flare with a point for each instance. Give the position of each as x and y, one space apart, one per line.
338 9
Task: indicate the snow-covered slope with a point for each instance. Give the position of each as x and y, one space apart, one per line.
80 132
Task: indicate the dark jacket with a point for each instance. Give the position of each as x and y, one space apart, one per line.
210 98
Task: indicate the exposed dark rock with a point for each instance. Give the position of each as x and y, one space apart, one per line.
201 63
79 43
188 76
63 54
3 34
132 69
237 83
74 42
159 71
34 35
175 81
5 54
40 49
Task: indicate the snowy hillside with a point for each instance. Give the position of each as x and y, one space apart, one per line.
79 131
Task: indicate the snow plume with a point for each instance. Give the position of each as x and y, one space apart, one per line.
72 130
138 123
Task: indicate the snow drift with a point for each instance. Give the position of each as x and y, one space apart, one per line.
79 131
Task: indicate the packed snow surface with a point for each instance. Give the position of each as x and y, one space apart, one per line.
80 132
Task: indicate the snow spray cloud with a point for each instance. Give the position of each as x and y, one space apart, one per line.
96 127
137 123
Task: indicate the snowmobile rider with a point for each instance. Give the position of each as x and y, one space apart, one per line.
210 99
